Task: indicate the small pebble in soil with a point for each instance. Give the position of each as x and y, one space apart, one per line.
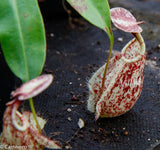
124 128
70 83
120 39
58 53
148 130
80 123
67 147
73 106
51 34
69 119
126 133
69 109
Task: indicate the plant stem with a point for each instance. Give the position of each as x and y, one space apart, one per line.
105 70
34 113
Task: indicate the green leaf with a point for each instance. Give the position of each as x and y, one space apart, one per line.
22 37
96 12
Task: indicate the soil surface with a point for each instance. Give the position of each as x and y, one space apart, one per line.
73 55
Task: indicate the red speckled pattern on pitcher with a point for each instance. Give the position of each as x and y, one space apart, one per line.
123 83
30 138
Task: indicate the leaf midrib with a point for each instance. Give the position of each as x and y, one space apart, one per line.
16 12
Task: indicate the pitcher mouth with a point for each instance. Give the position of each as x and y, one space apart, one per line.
139 48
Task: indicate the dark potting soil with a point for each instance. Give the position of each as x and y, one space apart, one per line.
72 57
